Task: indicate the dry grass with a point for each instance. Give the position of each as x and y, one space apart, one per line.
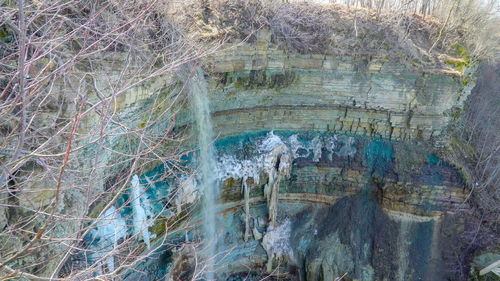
308 27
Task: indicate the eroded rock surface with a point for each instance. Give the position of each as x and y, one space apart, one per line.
326 166
331 165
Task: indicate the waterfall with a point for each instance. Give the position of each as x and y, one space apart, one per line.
197 86
405 226
409 226
435 259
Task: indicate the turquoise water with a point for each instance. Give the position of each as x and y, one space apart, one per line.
358 219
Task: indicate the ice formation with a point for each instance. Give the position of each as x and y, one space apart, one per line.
276 242
347 149
141 211
229 166
274 158
316 145
277 164
110 228
246 196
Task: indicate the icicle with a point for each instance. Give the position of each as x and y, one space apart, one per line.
186 194
117 225
316 146
256 233
277 166
140 209
246 195
275 160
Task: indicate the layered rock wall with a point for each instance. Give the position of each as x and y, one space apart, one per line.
367 193
258 87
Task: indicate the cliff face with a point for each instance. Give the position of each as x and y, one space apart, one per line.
325 165
332 137
256 87
367 193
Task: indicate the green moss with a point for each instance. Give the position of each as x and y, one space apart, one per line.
455 112
241 82
262 79
257 78
141 125
231 190
170 223
457 64
463 61
281 80
461 51
3 33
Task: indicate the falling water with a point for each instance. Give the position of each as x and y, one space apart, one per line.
403 248
197 87
433 272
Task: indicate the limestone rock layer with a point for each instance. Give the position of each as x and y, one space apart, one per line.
256 88
367 193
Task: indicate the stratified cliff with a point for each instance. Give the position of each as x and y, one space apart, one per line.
368 192
332 155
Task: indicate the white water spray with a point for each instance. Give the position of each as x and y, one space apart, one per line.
198 89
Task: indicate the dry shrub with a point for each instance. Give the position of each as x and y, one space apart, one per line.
307 27
64 67
478 153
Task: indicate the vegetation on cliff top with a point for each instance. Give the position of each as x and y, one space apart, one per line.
444 34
